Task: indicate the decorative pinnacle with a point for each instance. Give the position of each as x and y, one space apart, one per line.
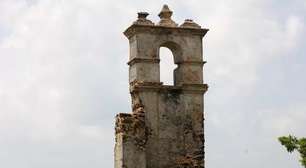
142 19
189 23
142 15
165 13
165 17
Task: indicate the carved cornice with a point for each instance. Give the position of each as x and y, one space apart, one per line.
194 88
192 62
135 29
159 87
148 60
143 60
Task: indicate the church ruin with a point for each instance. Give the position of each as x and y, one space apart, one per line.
166 126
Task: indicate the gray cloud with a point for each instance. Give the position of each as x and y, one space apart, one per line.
64 76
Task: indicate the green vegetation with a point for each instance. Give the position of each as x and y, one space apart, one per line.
292 143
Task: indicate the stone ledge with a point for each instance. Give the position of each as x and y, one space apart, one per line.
192 62
133 29
143 60
159 87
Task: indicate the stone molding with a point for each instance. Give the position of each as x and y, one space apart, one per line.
134 29
143 60
159 87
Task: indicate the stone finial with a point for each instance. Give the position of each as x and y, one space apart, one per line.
165 17
189 23
142 19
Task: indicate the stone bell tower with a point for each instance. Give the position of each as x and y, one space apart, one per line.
165 128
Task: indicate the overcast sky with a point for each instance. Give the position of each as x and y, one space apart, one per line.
64 77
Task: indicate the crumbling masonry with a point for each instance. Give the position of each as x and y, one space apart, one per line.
165 129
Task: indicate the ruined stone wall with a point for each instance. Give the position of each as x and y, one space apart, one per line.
165 128
176 139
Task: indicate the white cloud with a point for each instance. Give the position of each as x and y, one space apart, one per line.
63 78
284 121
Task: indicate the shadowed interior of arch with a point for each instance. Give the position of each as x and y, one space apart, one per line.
167 66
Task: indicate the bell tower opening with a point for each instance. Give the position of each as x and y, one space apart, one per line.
167 66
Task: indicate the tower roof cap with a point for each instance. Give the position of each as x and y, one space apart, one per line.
165 10
165 17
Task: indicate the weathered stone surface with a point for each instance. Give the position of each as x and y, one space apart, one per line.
165 17
166 126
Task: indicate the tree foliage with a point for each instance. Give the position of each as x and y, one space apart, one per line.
292 143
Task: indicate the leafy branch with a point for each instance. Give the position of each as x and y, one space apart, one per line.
292 143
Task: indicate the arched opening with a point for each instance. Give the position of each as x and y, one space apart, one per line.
167 66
